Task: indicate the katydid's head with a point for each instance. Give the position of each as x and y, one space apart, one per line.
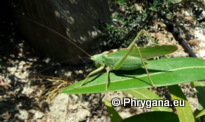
98 59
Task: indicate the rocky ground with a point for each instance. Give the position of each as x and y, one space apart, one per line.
23 74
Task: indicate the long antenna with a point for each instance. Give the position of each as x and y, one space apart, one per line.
58 34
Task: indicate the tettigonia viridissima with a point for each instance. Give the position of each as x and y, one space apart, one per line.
123 59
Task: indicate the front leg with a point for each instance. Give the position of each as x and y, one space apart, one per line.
93 72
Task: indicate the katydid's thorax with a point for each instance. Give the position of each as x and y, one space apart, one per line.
98 59
110 59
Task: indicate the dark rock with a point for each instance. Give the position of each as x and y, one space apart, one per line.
77 20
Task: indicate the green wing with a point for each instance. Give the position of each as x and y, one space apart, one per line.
147 52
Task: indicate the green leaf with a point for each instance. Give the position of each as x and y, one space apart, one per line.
155 116
157 50
115 117
184 112
145 94
163 73
199 113
200 90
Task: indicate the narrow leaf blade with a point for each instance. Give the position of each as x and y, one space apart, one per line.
199 113
200 89
115 117
184 113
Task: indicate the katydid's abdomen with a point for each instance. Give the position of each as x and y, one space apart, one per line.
130 62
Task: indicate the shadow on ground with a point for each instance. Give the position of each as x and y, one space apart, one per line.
19 61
